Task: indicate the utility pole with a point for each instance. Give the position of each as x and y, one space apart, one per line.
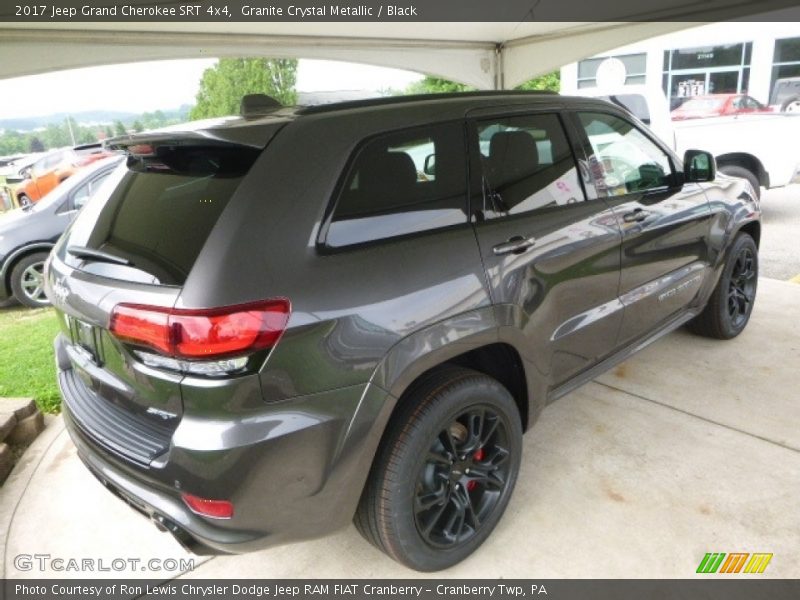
69 126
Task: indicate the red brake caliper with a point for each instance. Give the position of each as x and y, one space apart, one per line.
477 457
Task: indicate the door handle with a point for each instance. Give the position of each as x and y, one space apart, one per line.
637 215
515 245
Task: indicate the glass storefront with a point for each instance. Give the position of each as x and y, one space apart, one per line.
785 68
691 72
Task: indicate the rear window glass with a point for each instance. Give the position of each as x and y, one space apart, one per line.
402 183
162 210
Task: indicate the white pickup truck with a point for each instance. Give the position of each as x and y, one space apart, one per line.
762 148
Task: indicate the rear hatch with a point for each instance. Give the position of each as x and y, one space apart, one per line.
134 244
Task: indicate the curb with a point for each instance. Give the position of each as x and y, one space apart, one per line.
12 492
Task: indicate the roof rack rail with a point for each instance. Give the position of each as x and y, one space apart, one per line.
389 100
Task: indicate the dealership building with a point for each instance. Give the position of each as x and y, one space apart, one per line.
710 59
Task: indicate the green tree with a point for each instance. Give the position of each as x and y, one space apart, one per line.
56 136
549 82
109 132
36 145
223 85
13 142
137 126
119 128
436 85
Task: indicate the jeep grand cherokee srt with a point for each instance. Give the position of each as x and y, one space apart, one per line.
285 322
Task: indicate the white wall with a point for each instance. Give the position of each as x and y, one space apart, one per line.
763 36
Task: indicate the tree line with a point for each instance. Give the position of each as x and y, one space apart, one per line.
69 133
220 92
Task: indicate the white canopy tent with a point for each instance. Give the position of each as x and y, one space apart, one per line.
485 55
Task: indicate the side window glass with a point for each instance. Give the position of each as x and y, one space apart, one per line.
624 160
54 160
402 183
39 167
527 165
83 193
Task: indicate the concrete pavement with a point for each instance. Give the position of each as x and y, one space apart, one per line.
692 446
778 254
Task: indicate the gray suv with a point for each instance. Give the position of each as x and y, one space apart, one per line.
288 321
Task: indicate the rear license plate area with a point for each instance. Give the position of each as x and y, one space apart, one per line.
86 338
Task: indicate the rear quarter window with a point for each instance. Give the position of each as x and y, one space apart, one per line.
401 183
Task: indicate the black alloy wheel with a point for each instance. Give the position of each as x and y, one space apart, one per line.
731 303
463 478
742 287
445 470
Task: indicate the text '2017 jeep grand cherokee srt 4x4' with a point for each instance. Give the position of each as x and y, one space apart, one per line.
276 325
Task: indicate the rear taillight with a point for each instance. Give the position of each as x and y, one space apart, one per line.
202 333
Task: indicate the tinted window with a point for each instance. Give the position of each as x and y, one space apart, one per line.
787 50
83 193
163 207
402 183
624 159
527 164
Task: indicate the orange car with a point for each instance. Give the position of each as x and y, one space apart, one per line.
45 174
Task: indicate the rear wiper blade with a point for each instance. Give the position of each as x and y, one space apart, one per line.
83 252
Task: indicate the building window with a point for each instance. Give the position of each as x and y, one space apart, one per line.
709 70
635 67
785 66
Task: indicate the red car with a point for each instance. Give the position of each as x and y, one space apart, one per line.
718 105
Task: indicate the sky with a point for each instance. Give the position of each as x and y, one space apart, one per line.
145 87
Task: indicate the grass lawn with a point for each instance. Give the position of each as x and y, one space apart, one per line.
27 364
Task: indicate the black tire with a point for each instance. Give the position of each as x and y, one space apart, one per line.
735 171
730 306
791 105
22 278
415 477
24 201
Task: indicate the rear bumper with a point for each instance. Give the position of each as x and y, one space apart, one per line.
293 471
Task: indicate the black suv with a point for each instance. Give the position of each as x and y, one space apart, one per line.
282 323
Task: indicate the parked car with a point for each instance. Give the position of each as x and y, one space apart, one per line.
252 352
45 174
90 153
11 177
718 105
786 94
28 235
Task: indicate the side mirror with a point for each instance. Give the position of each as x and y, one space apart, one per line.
430 165
26 173
699 166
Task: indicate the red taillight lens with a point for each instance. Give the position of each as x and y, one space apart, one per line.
146 326
204 333
217 509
